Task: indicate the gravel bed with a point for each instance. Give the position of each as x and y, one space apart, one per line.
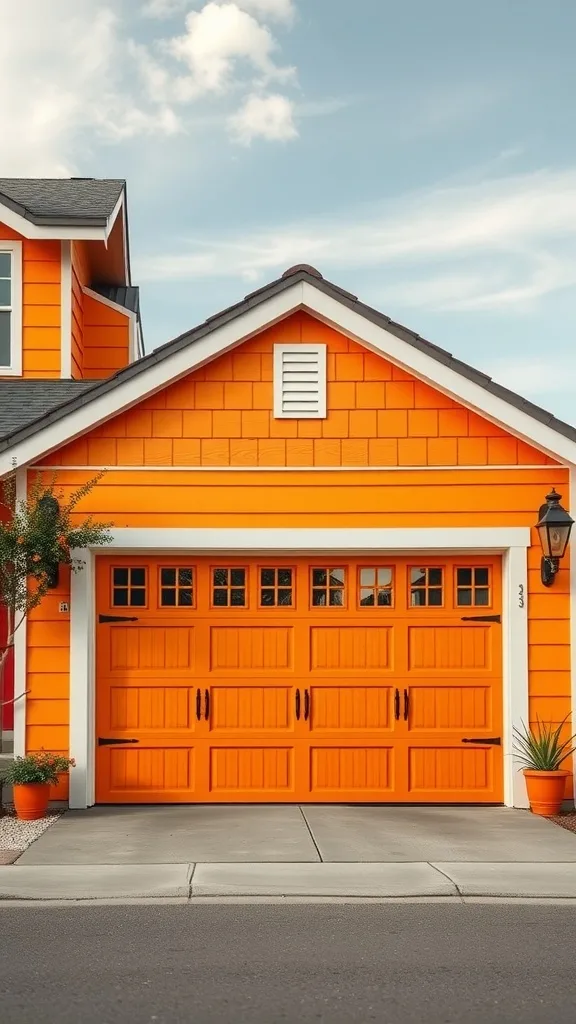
18 835
567 820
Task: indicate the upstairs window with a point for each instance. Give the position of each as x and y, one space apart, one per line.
300 382
10 308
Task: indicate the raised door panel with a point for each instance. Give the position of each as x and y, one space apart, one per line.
454 774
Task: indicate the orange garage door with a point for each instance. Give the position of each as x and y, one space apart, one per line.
299 680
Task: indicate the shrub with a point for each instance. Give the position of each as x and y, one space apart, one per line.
42 767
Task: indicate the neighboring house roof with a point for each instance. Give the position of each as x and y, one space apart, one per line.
62 201
293 276
23 402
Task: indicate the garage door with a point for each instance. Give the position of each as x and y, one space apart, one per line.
299 680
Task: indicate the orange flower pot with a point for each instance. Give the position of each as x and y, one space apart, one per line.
31 800
545 790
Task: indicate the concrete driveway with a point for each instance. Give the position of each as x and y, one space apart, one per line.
307 834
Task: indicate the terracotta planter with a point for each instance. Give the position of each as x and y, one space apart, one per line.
31 800
545 790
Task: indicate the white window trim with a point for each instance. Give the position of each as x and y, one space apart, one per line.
511 542
279 352
15 368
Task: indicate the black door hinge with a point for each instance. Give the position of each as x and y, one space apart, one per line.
481 618
117 618
492 741
106 741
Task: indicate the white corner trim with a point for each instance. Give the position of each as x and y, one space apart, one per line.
20 651
16 309
511 541
66 311
153 378
452 383
515 666
572 508
82 686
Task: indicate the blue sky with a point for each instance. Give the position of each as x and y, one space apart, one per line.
421 154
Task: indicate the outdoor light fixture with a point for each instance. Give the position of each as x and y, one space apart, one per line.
51 508
554 526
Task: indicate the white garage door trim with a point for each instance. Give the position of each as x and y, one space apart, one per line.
512 543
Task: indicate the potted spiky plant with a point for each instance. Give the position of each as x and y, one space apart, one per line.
540 752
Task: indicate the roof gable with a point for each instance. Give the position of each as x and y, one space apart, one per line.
301 288
378 415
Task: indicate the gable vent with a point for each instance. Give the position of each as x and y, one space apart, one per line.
300 381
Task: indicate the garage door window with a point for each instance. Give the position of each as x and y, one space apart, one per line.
177 587
473 587
229 588
276 588
426 587
328 588
375 587
129 587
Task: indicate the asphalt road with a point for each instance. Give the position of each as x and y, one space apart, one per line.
297 963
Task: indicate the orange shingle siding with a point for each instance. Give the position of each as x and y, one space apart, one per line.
80 278
41 262
378 414
106 339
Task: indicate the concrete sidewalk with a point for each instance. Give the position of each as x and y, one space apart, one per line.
311 851
182 882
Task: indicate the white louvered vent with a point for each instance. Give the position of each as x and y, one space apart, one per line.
300 382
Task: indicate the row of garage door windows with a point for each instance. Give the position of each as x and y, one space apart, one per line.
328 586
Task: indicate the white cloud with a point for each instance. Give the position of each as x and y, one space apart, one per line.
266 117
503 242
280 10
73 73
217 39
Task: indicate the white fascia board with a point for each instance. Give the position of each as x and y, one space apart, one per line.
133 327
487 539
452 383
158 375
108 302
29 230
112 218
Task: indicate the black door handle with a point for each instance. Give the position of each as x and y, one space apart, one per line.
396 704
198 704
406 705
297 700
306 705
207 704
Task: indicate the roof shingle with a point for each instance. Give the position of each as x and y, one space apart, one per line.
69 201
23 402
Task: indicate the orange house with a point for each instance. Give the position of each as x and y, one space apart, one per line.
324 582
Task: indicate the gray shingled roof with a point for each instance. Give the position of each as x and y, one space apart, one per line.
22 402
129 296
290 277
62 201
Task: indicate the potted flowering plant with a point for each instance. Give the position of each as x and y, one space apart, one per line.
31 777
541 752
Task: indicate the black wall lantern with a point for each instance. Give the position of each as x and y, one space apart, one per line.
554 526
51 508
